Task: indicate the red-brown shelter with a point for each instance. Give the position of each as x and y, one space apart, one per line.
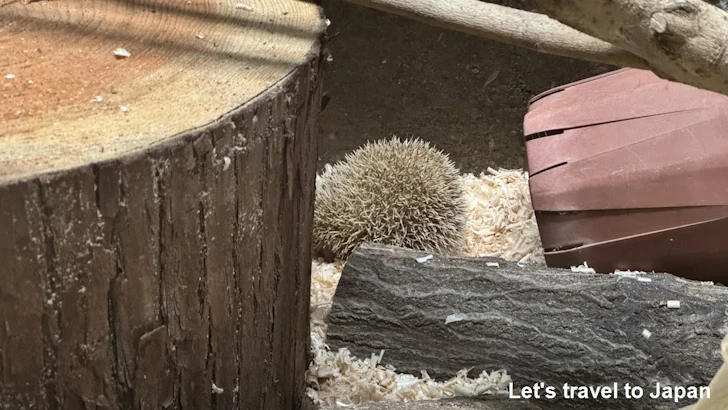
630 171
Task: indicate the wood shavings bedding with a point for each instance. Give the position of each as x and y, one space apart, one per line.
340 379
501 223
324 279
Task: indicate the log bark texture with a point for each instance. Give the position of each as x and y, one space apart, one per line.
540 324
157 258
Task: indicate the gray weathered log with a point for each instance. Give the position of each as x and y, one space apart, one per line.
540 324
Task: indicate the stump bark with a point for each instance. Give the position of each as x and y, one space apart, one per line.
156 255
540 324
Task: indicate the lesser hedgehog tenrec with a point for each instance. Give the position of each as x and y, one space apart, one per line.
402 193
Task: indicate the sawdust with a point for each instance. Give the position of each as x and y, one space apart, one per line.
324 278
342 380
501 223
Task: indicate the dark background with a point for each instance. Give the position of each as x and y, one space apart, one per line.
465 94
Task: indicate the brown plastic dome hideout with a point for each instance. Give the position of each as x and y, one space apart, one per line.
629 171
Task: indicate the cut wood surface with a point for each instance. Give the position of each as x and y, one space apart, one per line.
540 324
191 62
160 257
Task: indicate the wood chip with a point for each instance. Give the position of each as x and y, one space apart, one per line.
583 269
122 53
243 6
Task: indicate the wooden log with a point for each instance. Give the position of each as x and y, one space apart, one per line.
152 251
540 324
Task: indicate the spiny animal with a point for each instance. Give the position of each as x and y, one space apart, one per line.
401 193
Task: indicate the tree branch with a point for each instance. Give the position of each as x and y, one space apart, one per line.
520 28
683 40
680 40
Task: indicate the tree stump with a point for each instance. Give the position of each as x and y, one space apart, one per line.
156 207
